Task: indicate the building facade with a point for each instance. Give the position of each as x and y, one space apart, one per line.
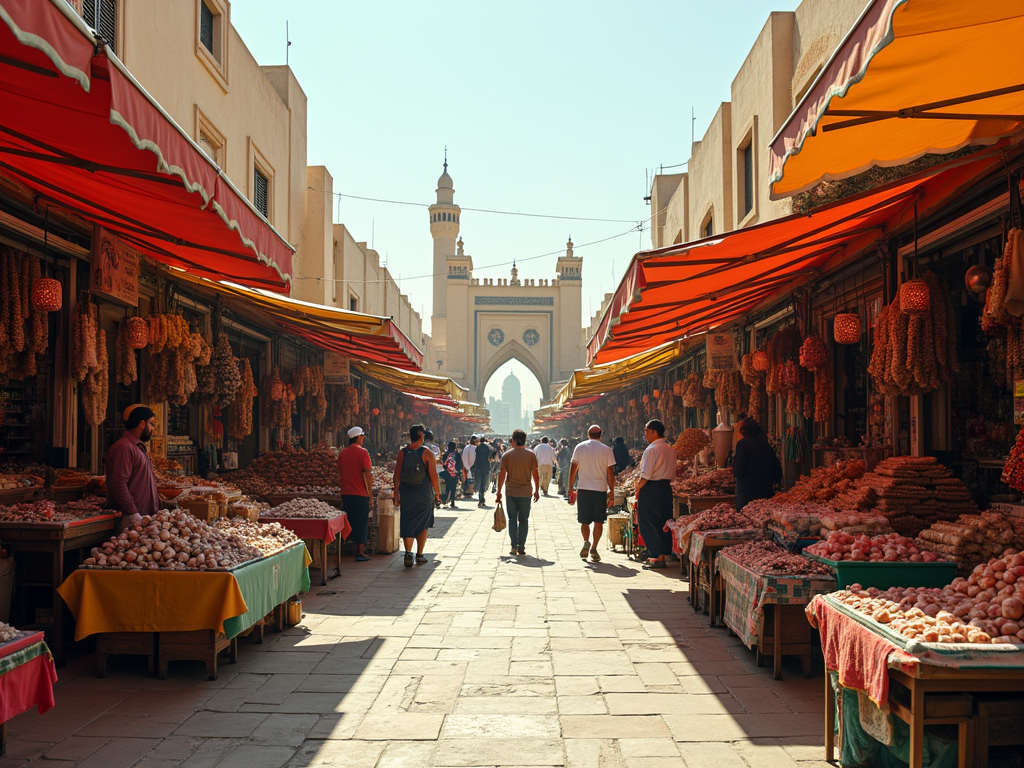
479 324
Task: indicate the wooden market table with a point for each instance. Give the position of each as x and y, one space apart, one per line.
27 676
191 614
947 684
700 503
56 539
766 612
700 565
323 529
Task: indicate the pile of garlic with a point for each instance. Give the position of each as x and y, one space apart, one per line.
8 633
172 541
268 538
302 509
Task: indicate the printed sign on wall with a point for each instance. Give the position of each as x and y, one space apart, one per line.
115 269
721 350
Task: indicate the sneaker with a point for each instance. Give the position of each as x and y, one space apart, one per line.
362 558
521 551
408 559
420 560
594 556
586 550
513 552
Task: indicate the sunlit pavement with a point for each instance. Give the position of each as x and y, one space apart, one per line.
475 659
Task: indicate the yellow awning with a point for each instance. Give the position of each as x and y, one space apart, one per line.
414 383
912 77
621 373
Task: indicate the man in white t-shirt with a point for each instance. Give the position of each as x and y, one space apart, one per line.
546 462
593 466
468 460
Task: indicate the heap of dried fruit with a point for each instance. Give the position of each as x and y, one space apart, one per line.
691 442
268 538
769 559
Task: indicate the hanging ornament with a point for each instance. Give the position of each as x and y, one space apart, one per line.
375 411
656 394
914 297
47 294
978 278
846 328
760 360
137 331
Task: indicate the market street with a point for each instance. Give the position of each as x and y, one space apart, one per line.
476 659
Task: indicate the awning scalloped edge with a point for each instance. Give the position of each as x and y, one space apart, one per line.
34 41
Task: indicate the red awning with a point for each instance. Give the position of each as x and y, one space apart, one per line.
669 293
78 130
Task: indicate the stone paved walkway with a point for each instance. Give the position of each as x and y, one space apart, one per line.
476 659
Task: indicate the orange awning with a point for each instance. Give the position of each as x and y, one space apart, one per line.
912 77
669 293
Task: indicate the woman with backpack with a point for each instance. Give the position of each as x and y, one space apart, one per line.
417 488
451 473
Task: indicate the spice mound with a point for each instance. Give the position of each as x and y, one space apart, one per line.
173 541
769 559
303 508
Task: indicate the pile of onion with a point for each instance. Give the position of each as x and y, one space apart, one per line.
888 548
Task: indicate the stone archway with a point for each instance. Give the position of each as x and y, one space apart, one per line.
510 351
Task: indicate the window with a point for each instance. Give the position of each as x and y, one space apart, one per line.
709 227
261 191
101 15
209 139
353 303
206 27
748 178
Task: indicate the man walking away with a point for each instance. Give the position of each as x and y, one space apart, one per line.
546 461
519 467
482 469
355 473
564 458
468 459
654 494
593 464
451 473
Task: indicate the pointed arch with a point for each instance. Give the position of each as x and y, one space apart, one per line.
513 350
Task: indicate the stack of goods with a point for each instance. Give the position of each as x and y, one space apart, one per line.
915 353
8 633
173 541
691 442
717 482
824 483
912 491
10 481
888 548
626 480
49 512
71 477
268 538
769 559
973 539
791 520
310 490
274 469
162 465
306 509
719 517
853 522
24 329
383 479
986 607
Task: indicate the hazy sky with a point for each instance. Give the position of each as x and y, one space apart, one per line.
553 108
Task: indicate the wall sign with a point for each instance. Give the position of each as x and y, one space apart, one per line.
115 268
1018 401
336 367
721 351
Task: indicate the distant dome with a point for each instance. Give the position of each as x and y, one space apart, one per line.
511 383
445 181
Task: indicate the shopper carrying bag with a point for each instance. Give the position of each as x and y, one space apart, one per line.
499 518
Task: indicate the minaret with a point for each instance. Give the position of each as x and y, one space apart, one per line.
444 228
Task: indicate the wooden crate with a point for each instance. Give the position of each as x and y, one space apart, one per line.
252 514
202 509
127 643
201 645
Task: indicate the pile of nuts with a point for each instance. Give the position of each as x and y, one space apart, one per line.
47 511
719 517
313 490
274 469
268 538
888 548
718 482
303 508
769 559
8 633
172 541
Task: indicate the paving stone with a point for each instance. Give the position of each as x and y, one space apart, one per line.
608 726
461 753
119 753
593 753
221 724
669 703
75 748
403 726
512 705
350 754
582 705
648 748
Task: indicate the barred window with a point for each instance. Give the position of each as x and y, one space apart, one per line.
101 15
261 191
206 27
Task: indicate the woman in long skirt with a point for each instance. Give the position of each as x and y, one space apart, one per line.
417 488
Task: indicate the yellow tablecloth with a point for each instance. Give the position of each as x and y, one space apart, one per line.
151 601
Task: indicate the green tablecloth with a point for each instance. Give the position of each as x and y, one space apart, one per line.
268 583
747 593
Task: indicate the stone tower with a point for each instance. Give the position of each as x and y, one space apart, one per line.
444 229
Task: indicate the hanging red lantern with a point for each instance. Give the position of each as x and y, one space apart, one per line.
760 360
401 414
915 298
846 328
620 409
646 399
47 294
656 394
137 331
375 411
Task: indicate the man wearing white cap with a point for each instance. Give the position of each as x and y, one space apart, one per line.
356 474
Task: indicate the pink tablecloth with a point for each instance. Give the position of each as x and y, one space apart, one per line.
325 528
27 682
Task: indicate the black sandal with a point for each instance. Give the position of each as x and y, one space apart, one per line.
420 560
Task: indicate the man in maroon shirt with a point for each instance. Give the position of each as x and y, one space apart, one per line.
356 475
131 484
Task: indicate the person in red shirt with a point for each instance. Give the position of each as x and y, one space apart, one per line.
356 474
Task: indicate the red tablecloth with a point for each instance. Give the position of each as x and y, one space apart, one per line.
325 528
28 683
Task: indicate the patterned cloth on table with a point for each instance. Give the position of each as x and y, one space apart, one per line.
698 539
747 593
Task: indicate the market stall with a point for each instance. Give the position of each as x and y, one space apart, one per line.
313 520
765 589
27 676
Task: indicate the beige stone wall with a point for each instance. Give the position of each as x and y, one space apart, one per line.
790 50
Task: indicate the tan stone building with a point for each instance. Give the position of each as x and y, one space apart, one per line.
251 121
480 324
725 186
